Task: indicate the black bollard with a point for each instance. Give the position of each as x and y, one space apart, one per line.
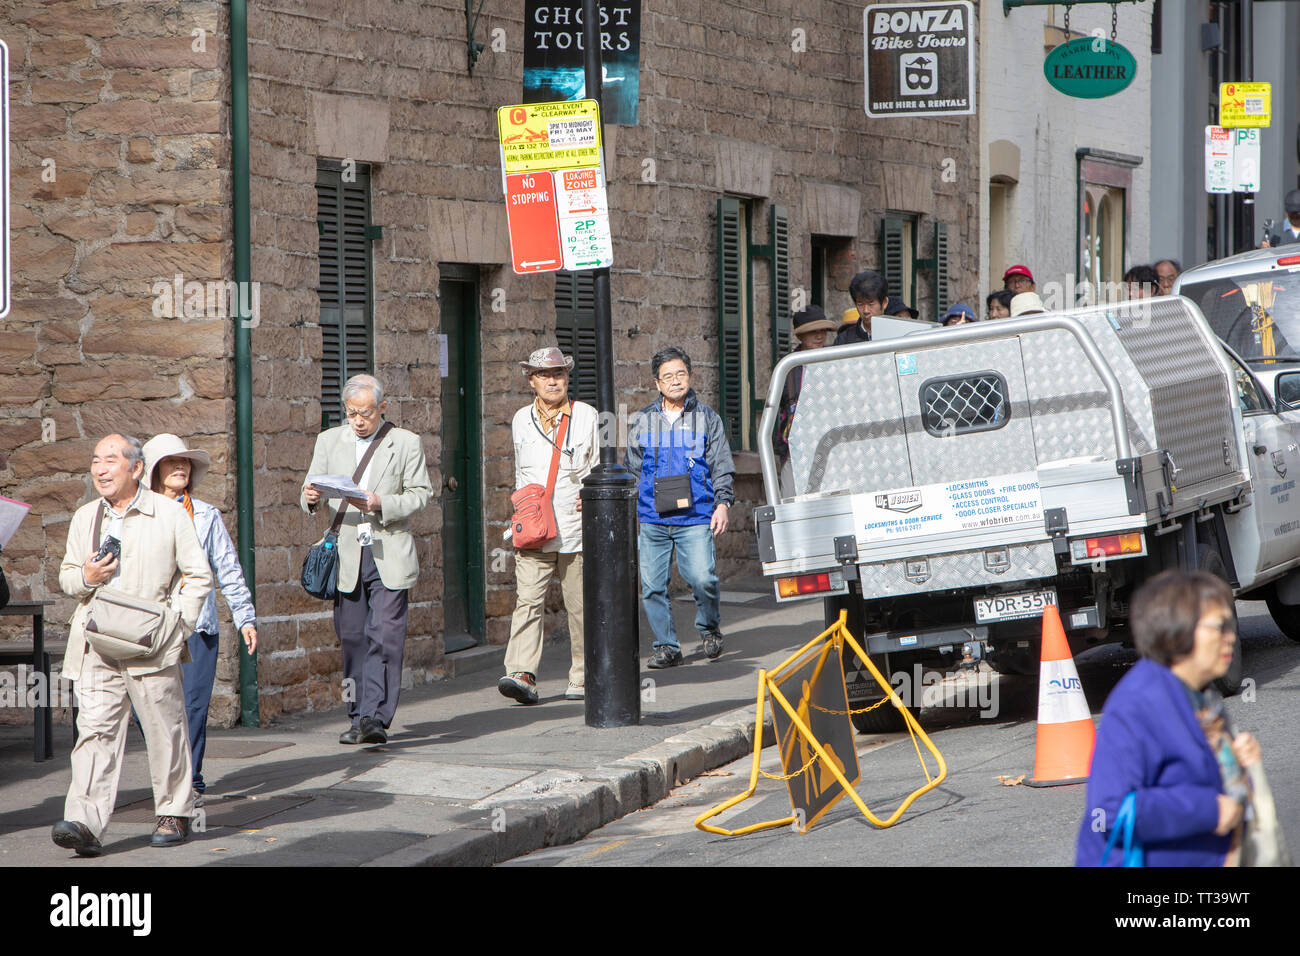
611 579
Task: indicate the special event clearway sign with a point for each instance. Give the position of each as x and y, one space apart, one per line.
554 183
919 59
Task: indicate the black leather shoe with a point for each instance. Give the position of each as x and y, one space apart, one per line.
72 835
372 731
350 736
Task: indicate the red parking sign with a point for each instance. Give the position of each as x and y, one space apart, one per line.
534 222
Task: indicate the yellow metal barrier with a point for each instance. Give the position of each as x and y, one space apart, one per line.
829 641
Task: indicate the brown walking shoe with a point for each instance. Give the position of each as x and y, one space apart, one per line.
171 831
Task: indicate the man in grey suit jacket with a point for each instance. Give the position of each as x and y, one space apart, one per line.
377 559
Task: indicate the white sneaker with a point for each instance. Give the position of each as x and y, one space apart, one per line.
574 692
198 799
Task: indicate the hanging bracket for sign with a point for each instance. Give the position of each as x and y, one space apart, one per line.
1009 5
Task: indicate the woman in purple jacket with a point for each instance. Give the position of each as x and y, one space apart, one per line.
1164 734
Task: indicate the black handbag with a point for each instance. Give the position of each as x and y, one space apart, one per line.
672 493
320 569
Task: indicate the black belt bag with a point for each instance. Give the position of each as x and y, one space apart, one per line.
672 494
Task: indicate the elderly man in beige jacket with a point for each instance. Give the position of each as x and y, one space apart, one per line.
535 432
378 563
159 551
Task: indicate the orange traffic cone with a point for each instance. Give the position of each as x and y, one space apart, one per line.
1063 753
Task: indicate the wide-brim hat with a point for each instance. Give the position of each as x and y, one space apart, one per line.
812 319
547 358
169 446
1026 302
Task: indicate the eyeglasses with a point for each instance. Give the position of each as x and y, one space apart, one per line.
367 414
1225 626
674 377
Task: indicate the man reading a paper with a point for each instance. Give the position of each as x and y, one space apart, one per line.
377 559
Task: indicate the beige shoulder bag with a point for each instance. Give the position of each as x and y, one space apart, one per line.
123 627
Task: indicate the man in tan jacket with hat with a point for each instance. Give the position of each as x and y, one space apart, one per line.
536 435
159 551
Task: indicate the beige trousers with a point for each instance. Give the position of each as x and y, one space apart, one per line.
105 694
533 570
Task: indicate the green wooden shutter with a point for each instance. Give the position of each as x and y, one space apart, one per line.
345 288
575 330
730 318
941 295
891 255
779 231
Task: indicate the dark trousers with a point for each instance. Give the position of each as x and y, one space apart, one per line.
371 625
198 676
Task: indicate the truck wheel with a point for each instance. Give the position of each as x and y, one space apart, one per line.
1285 616
1209 560
1024 662
884 719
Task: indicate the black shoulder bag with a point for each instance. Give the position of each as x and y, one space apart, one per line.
320 569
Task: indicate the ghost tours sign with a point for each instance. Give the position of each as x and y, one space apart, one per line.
919 59
553 66
1090 68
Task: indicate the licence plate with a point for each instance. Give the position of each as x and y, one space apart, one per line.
1013 607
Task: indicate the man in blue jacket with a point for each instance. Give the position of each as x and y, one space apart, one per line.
677 446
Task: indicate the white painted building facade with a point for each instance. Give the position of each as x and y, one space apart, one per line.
1066 180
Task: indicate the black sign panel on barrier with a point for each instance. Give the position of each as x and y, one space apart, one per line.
815 689
919 59
553 68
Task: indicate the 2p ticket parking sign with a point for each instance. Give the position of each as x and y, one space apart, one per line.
553 177
919 59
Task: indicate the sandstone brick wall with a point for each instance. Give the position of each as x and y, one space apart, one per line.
727 106
119 179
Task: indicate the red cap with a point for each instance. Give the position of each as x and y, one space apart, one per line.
1018 271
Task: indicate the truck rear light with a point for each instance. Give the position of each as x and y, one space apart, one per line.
803 584
1289 261
1126 545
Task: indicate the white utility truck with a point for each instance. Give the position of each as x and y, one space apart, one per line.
947 485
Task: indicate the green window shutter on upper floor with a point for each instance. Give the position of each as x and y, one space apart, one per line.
941 293
345 288
575 330
731 318
891 255
779 232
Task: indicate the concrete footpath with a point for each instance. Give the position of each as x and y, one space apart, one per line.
467 778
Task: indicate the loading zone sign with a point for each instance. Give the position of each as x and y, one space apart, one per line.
919 59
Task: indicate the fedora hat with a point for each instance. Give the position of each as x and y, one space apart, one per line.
169 446
546 358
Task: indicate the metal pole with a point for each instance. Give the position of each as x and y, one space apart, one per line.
249 710
1246 68
609 531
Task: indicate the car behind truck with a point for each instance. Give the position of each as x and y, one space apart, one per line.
948 485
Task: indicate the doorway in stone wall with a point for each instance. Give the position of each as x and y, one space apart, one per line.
462 475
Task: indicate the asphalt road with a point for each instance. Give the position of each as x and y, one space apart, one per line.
972 819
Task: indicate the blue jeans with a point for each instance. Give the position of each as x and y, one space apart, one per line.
697 564
199 676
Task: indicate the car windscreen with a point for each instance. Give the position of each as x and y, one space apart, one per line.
1257 314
